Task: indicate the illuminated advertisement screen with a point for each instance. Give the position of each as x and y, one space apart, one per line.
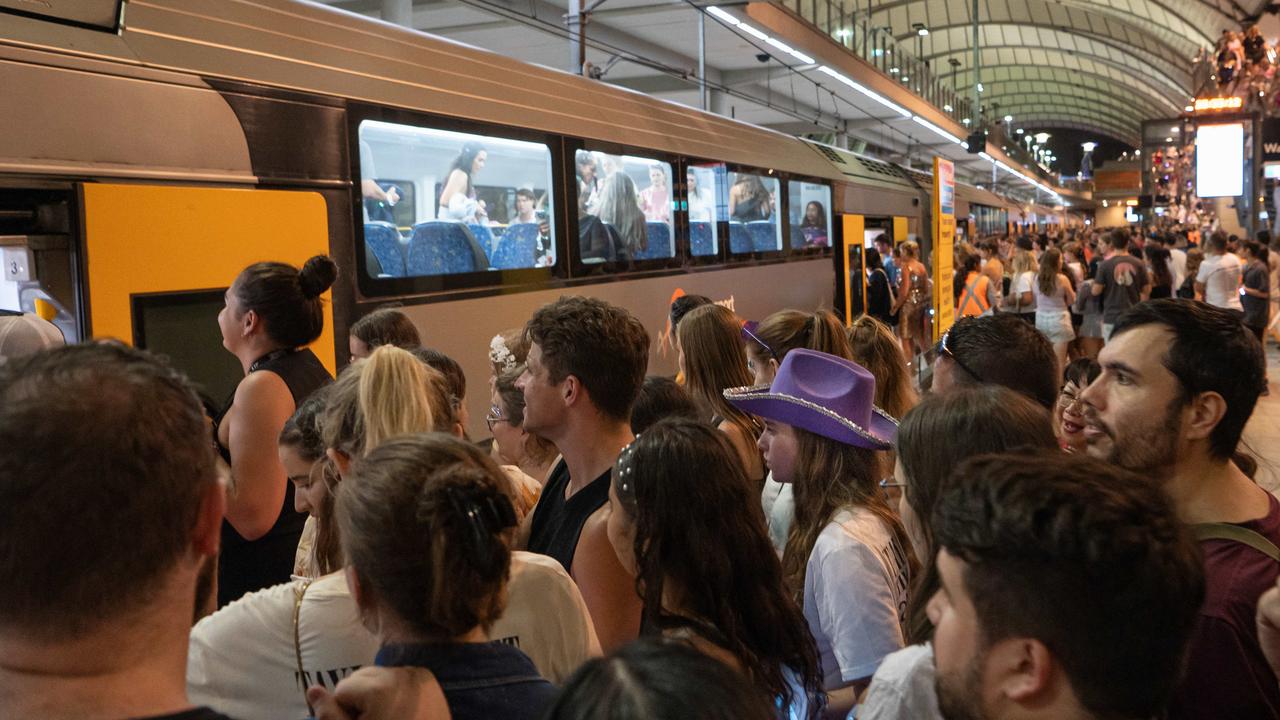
1220 160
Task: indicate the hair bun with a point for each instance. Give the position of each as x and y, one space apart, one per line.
317 275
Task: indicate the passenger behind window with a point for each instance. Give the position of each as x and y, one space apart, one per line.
702 202
458 199
531 210
588 183
525 204
814 225
655 200
620 209
749 201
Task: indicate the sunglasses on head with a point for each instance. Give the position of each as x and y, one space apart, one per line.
943 349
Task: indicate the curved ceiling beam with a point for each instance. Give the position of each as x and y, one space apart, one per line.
1165 84
1084 93
1144 56
1040 113
1052 16
1186 27
1158 99
1033 108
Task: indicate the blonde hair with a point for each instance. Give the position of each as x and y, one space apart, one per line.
910 248
877 349
390 393
1023 261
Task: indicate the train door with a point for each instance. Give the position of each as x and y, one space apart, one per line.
851 278
148 264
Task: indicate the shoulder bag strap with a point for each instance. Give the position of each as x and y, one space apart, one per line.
297 643
1235 533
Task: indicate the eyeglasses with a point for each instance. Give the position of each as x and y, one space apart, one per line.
943 349
1068 399
493 417
891 482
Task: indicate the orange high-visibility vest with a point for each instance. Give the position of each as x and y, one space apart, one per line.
973 301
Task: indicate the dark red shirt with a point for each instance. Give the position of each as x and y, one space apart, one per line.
1228 677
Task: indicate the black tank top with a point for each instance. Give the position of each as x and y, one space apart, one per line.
248 565
557 522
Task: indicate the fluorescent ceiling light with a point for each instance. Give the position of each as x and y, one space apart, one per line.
752 31
726 17
986 157
937 130
869 93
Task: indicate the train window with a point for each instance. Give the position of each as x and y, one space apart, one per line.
753 216
624 203
476 202
708 194
809 210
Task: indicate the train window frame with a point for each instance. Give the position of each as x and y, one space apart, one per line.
679 218
834 230
520 279
783 251
721 255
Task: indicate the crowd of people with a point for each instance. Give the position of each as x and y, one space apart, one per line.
790 528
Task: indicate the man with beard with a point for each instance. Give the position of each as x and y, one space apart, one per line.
1069 589
110 514
1179 382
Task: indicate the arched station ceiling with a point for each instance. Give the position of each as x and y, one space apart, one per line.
1097 65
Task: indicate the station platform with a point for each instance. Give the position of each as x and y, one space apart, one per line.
1262 434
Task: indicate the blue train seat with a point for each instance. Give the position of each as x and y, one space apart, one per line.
659 241
517 247
442 248
383 240
701 238
797 238
739 239
764 235
484 236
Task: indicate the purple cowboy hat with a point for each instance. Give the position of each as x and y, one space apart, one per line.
824 394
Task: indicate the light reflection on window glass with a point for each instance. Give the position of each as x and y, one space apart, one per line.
753 217
708 193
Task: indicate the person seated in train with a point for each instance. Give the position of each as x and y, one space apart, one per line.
378 199
589 181
458 198
702 203
620 209
526 204
749 201
814 225
655 200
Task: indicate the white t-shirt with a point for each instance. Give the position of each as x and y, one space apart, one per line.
779 510
242 662
1025 283
903 687
855 596
1221 276
1177 267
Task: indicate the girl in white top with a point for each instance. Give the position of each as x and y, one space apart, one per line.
975 421
256 657
1021 298
1054 296
846 556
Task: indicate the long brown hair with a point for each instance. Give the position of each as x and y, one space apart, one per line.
787 330
830 476
714 361
972 421
1050 266
876 348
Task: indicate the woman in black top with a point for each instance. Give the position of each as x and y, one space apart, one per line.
879 297
1161 277
273 310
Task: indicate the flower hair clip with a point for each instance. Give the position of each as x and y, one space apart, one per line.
500 355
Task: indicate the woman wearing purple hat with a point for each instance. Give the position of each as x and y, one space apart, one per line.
847 555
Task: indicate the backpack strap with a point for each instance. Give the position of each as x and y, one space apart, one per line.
1235 533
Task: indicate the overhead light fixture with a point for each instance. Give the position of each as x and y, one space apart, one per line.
1042 137
752 31
722 15
1020 131
920 29
1189 108
980 88
844 33
937 130
789 50
1008 118
1089 146
948 108
869 93
1173 129
893 71
905 78
1168 139
965 121
986 157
